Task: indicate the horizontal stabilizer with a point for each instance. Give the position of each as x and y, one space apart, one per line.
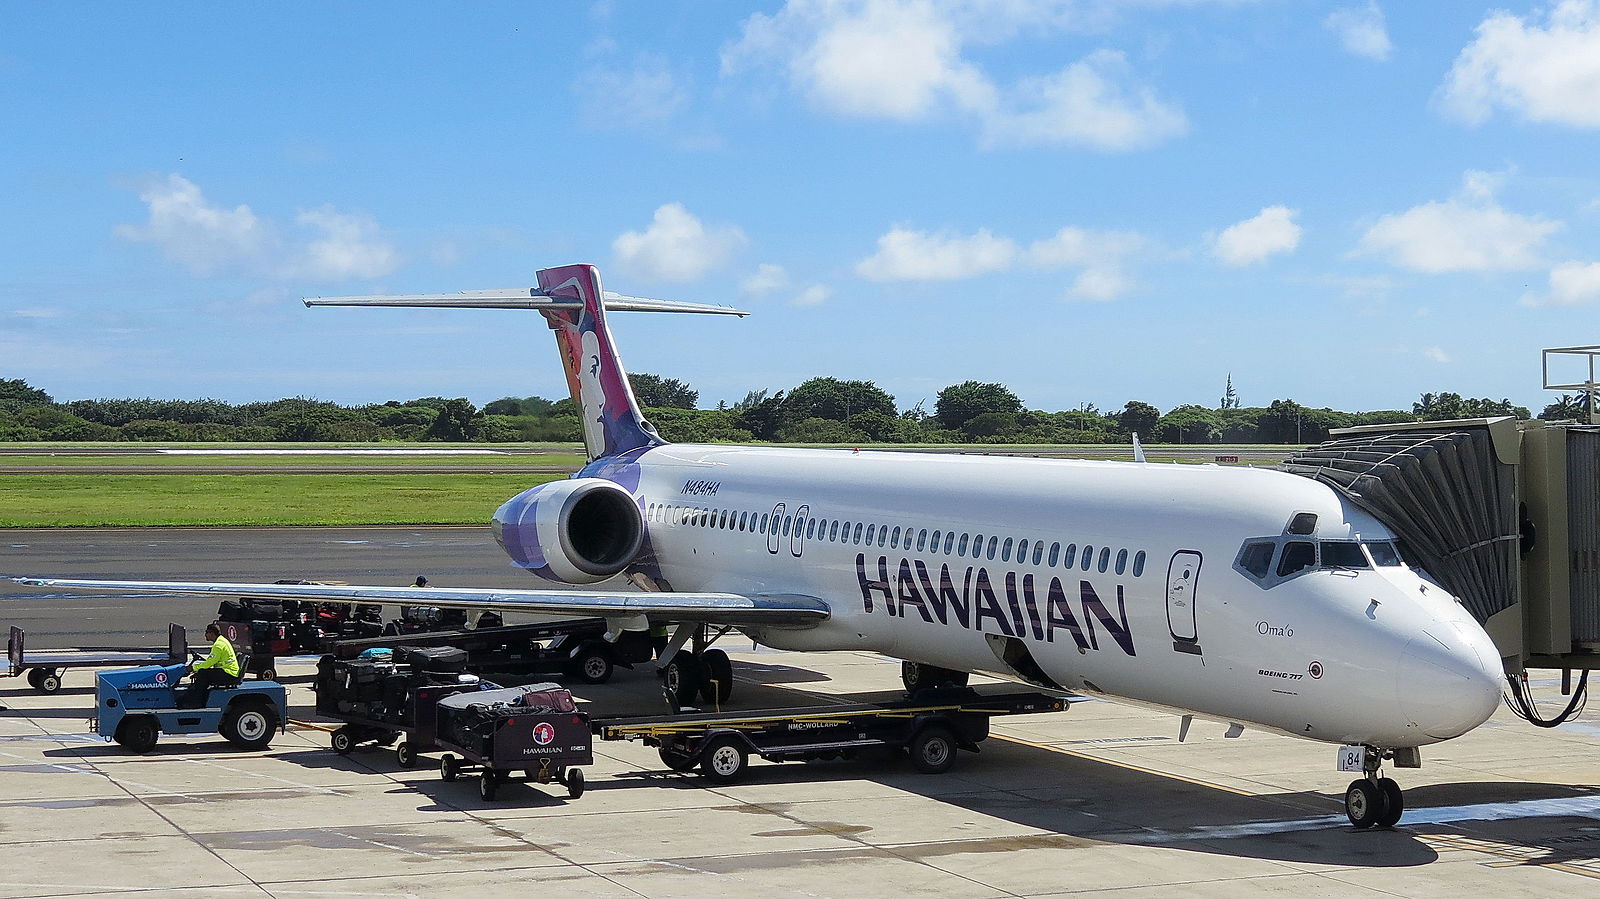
522 298
739 610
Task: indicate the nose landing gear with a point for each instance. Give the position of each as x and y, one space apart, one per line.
1373 800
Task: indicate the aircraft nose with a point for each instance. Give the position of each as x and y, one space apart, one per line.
1449 680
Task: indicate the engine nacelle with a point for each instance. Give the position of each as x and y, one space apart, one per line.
577 531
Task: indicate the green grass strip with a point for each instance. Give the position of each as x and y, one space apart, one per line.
67 500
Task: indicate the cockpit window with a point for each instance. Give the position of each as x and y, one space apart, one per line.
1297 556
1384 553
1343 554
1257 559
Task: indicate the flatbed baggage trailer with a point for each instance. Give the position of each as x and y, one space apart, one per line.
575 648
932 727
535 728
45 666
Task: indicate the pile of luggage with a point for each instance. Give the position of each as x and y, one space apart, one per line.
526 719
293 627
420 619
378 684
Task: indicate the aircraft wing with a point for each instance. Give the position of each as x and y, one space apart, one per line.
739 610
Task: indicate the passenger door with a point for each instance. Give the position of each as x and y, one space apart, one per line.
1183 577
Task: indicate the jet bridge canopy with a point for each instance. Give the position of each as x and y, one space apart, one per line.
1504 514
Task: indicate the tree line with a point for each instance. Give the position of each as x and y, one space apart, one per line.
819 410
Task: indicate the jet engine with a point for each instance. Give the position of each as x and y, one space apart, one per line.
578 531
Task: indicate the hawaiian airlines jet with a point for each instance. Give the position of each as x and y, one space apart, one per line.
1251 597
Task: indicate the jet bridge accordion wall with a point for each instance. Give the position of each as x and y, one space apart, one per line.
1444 492
1583 532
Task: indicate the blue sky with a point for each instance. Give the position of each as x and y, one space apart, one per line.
1343 203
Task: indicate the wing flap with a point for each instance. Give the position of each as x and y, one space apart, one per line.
759 609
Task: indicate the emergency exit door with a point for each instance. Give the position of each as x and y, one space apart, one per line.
1183 577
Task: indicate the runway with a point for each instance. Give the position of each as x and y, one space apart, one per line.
1100 798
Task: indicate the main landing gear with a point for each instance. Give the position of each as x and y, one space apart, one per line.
918 677
696 670
1372 800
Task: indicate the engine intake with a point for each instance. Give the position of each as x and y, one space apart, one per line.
577 531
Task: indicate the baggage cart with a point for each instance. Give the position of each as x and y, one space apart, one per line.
575 648
931 727
536 729
44 667
379 702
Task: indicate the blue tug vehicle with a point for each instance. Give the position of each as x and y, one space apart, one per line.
134 706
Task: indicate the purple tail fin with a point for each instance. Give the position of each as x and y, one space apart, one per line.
612 424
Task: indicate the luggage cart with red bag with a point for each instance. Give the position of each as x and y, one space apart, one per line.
535 728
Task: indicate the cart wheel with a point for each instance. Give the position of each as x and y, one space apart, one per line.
33 677
592 664
717 682
574 783
267 674
404 755
137 733
724 759
343 740
49 681
249 726
674 756
487 782
449 768
933 749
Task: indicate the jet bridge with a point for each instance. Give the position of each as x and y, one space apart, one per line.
1504 514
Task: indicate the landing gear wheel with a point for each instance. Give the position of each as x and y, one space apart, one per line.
1394 803
342 741
49 682
449 768
682 676
137 734
574 783
592 665
717 684
933 749
917 676
404 755
487 782
723 760
674 756
249 726
1364 803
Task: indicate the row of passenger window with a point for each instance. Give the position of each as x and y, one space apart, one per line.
908 539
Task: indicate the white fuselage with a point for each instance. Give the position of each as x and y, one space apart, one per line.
1154 606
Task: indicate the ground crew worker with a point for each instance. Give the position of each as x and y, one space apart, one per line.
219 669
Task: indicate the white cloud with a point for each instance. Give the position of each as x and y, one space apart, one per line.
1092 103
193 232
1469 232
351 246
1545 73
767 280
1271 231
1435 354
905 255
1571 284
647 92
815 295
208 239
677 246
902 60
1101 255
1361 30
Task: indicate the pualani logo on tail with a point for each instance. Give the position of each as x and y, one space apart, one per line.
977 601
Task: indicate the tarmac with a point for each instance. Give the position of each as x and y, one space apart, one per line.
1099 798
